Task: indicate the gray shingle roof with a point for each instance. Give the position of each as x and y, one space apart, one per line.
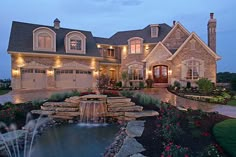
21 39
121 38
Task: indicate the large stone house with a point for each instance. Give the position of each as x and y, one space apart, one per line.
44 57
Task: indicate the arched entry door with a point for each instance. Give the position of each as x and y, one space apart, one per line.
160 74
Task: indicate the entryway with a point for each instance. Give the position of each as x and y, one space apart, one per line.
160 74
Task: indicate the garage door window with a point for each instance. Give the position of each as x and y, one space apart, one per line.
64 72
40 71
83 72
23 71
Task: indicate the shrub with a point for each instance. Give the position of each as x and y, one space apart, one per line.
172 150
234 97
119 84
233 83
37 102
149 82
205 86
75 93
177 84
226 95
141 84
59 97
103 81
211 151
8 105
111 93
126 93
188 85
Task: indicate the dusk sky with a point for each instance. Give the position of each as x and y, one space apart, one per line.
105 17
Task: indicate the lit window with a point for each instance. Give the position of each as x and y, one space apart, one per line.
44 41
135 72
75 44
135 46
193 70
110 53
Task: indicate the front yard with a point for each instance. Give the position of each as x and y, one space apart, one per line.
4 91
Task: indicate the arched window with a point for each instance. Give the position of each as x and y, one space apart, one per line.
135 72
75 42
135 45
44 39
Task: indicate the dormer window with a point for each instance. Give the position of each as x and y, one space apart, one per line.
44 39
154 30
135 45
75 42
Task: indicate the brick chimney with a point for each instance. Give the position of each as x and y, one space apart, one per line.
211 27
56 23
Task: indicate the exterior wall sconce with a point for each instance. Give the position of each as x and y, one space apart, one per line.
95 73
111 47
15 72
50 72
146 47
98 46
169 72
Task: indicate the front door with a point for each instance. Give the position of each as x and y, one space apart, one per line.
160 74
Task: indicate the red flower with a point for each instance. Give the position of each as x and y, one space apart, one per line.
197 123
178 147
169 156
205 134
186 155
167 148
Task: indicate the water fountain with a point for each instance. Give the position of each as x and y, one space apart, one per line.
92 110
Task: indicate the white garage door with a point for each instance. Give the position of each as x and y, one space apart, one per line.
73 79
33 78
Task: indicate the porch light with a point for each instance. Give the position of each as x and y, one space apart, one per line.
50 72
98 46
146 47
111 47
169 72
149 71
15 72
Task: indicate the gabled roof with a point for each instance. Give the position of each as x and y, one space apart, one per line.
177 25
121 38
153 50
195 36
21 39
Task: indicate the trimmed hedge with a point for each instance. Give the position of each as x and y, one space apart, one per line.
225 134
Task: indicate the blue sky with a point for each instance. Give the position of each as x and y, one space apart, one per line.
105 17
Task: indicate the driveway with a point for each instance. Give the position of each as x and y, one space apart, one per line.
164 95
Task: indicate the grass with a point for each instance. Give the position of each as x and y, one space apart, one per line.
224 133
4 91
231 103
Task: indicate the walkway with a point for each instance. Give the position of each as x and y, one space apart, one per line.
164 95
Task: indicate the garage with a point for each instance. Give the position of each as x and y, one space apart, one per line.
33 78
67 78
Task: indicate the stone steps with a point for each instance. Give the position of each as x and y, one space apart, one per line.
70 114
119 100
59 104
126 109
119 104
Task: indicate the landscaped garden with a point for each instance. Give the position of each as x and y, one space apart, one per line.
205 91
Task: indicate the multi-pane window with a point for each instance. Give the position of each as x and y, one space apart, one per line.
193 70
44 41
75 44
110 53
135 46
83 72
135 72
42 71
64 71
23 71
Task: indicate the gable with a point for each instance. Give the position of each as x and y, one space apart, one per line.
176 37
158 53
197 50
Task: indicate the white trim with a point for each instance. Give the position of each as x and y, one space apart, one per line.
74 65
78 35
51 33
34 64
195 36
134 62
158 44
178 24
141 45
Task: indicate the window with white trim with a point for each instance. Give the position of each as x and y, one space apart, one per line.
75 42
135 72
135 46
193 69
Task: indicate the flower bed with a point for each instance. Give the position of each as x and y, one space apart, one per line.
179 133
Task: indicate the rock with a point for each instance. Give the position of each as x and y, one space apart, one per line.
181 108
67 109
129 147
135 128
70 121
114 114
41 112
110 101
59 104
123 118
121 104
126 109
70 114
48 108
137 155
61 117
141 114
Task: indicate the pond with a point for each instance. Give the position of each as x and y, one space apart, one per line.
74 141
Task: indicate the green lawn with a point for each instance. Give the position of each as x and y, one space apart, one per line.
231 102
4 91
225 134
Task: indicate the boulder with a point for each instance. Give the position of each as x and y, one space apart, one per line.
61 117
126 109
110 101
135 128
114 114
70 114
141 114
123 118
59 104
41 112
119 104
48 108
63 109
130 147
137 155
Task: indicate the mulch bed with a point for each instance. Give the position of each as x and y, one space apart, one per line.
196 125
